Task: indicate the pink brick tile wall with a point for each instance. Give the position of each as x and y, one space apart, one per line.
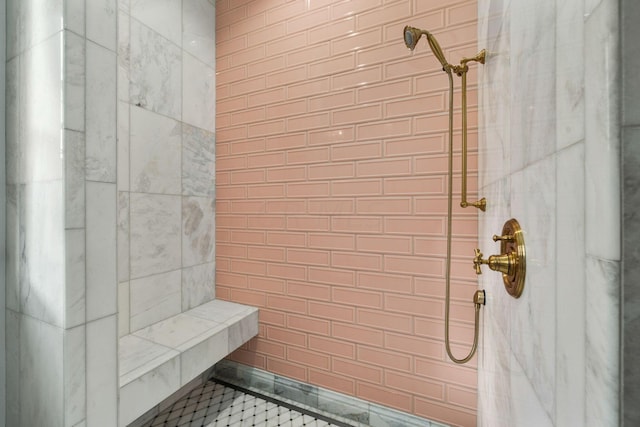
331 204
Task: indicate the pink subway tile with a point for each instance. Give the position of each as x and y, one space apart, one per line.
265 160
308 325
385 129
332 311
231 75
365 113
248 116
356 261
385 167
384 396
308 257
287 304
247 86
247 25
270 96
414 186
249 358
271 317
266 66
308 358
332 346
309 20
270 349
231 163
356 78
285 271
331 241
248 267
228 47
437 246
335 28
231 16
266 254
308 290
340 135
446 371
356 41
265 128
306 55
263 191
309 121
413 265
357 297
286 77
266 284
310 88
433 82
231 280
434 329
287 11
286 44
307 223
465 397
332 171
247 237
248 55
418 386
308 155
384 358
331 276
261 6
360 371
385 320
331 206
242 296
410 344
288 239
265 222
384 282
414 305
266 34
357 334
247 177
227 193
434 288
356 188
387 90
356 224
248 207
231 134
380 54
329 102
415 146
384 244
415 105
352 7
286 206
231 104
381 16
332 66
286 142
308 189
357 151
286 336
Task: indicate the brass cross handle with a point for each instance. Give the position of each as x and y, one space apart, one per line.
512 259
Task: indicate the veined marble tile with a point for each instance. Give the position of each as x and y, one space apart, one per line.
123 236
569 72
124 54
14 26
221 311
101 22
198 230
124 311
124 5
41 111
138 355
602 342
532 67
74 81
155 148
13 153
199 93
123 150
535 210
42 259
41 373
39 20
198 285
75 383
102 372
156 72
155 234
74 158
163 16
570 293
198 33
197 359
180 332
602 141
337 403
630 63
154 298
75 278
101 113
74 16
142 394
13 247
13 367
101 250
526 410
198 162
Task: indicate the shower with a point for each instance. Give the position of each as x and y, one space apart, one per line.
411 37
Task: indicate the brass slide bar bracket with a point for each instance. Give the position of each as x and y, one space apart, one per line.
512 261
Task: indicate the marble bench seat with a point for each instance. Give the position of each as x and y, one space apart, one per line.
158 360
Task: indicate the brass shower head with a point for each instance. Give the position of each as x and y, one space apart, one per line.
413 34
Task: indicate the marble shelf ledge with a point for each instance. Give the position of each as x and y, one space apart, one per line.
158 360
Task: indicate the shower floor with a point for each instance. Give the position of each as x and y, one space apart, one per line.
218 404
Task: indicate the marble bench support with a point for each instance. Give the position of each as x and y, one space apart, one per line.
158 360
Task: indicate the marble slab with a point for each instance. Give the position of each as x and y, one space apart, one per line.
198 230
198 35
159 359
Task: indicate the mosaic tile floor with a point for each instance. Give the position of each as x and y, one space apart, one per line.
215 405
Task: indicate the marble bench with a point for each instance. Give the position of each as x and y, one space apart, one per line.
156 361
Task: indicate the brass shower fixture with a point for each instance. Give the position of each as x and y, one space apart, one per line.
411 36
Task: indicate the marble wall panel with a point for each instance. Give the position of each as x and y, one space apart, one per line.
74 81
102 372
75 384
198 230
155 234
123 150
199 89
154 298
123 236
124 311
162 16
198 285
74 158
74 13
75 278
198 162
198 35
101 23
